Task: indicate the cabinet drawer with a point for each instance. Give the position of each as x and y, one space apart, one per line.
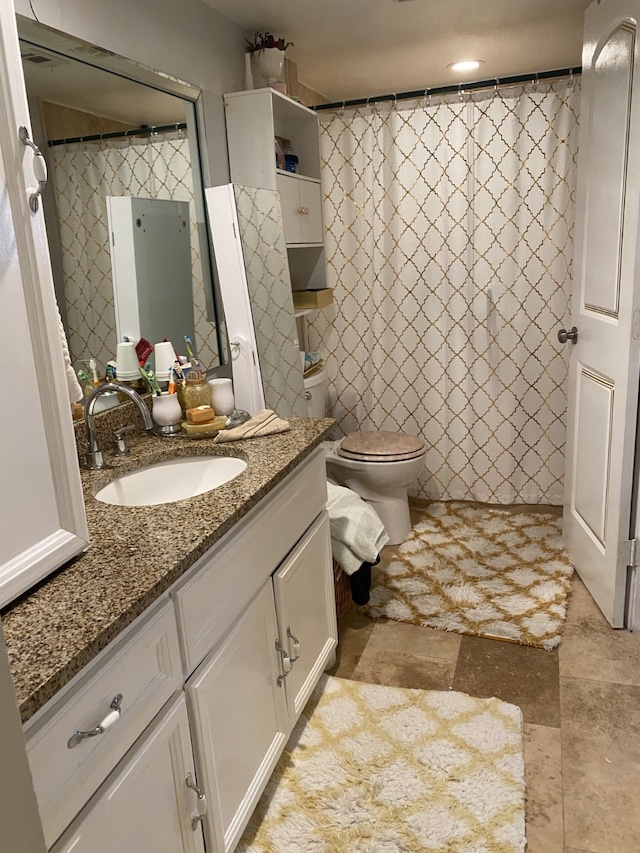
210 602
145 668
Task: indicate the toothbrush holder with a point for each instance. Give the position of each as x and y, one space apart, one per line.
165 409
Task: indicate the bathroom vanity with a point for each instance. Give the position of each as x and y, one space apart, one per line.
192 634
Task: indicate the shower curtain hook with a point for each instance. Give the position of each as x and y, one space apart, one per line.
341 110
394 105
572 81
534 83
461 93
496 88
179 131
427 97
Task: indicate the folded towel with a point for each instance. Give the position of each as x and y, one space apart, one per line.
73 386
357 534
264 422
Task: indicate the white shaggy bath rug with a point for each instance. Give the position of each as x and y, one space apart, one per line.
479 570
371 769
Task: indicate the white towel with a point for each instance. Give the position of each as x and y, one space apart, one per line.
357 534
73 386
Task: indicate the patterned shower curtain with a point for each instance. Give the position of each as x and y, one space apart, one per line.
449 247
84 174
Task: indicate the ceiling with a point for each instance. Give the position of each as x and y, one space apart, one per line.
359 48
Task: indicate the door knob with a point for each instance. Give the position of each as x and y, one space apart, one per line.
571 335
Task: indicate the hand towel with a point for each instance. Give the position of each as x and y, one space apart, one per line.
357 534
264 422
73 386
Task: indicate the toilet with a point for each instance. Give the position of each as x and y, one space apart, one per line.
378 466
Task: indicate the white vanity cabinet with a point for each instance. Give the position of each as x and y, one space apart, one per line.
197 697
248 693
258 626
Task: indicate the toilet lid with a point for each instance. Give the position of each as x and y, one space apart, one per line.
381 446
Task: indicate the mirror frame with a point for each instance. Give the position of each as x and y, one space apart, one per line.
42 36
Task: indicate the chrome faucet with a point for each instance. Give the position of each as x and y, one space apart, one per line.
94 456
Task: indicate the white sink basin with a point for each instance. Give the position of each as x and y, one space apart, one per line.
174 480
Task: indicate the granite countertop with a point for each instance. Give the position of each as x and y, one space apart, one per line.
136 554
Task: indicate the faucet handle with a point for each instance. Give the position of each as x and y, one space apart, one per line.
121 448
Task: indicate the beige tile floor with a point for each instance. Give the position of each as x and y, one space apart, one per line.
580 704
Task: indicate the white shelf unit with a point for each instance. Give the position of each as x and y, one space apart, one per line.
254 119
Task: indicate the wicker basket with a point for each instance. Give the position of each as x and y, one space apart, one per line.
342 588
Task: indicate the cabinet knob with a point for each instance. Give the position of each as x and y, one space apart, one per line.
112 717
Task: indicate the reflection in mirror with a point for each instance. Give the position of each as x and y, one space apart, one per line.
270 318
107 135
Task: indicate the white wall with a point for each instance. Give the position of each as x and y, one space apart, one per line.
183 38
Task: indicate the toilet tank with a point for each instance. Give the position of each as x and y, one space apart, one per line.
315 391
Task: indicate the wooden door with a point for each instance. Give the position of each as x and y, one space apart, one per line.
605 361
305 604
145 804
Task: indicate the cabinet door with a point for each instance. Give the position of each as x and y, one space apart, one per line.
239 719
145 804
288 187
38 458
311 207
305 604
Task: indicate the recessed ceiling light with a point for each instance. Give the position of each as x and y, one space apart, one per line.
466 65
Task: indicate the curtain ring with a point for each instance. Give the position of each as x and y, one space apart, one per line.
461 93
427 97
572 81
534 83
496 88
341 110
179 131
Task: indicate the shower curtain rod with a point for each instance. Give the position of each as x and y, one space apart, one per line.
460 88
146 130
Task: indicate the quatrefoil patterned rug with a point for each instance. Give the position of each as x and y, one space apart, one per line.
371 769
479 570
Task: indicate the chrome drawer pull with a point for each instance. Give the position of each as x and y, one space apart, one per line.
201 802
112 717
286 663
296 645
39 170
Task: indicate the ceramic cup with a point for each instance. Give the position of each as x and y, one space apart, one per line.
166 409
222 400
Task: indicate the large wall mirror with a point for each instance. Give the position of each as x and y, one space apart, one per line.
110 128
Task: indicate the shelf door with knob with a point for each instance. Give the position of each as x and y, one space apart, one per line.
146 803
305 607
301 201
